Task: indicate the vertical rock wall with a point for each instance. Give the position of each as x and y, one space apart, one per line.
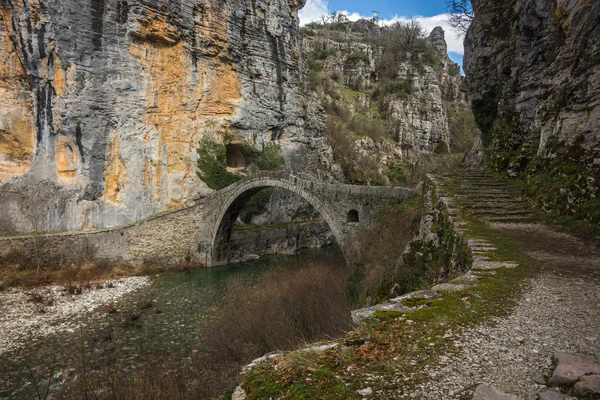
532 68
103 102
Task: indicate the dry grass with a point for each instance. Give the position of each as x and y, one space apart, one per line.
284 309
378 274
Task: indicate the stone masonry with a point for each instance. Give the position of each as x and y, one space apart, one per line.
201 233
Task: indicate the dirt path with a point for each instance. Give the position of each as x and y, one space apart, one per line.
559 311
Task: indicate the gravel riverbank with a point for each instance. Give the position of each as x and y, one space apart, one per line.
30 315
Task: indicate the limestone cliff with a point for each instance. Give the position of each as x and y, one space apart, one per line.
537 62
393 97
103 102
533 71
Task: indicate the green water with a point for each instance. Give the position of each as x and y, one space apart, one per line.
161 318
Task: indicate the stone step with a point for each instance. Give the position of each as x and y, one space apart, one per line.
512 220
497 205
500 213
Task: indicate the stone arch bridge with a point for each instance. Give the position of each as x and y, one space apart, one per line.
201 233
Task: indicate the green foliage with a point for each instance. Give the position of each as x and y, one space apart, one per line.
442 148
462 126
257 204
212 162
485 111
387 315
324 54
454 70
270 159
397 175
401 89
565 181
355 58
212 165
306 31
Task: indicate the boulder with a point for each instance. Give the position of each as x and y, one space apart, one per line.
551 394
588 386
570 368
484 392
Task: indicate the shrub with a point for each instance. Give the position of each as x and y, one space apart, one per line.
441 148
212 165
324 54
305 31
270 159
462 126
374 128
401 89
381 248
355 58
282 310
454 70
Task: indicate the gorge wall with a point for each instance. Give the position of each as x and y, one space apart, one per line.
103 103
391 93
532 67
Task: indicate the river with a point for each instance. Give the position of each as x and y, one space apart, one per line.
163 317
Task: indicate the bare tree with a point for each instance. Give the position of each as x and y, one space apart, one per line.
410 32
39 240
461 14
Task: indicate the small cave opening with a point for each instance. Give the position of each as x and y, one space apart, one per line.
236 159
353 216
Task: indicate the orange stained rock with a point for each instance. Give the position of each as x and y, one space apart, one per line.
59 77
67 160
115 172
17 127
181 95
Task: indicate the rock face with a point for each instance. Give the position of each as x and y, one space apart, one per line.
420 119
532 68
284 239
103 103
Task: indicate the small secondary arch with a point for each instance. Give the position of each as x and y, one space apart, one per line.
233 204
353 217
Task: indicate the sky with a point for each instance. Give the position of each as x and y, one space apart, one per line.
430 13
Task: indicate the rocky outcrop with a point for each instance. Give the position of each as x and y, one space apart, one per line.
418 114
532 68
254 242
102 104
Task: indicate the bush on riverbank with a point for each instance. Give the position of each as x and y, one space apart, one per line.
378 275
284 309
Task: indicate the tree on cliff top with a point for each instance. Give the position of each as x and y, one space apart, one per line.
461 14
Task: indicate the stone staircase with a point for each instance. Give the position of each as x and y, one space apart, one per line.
480 195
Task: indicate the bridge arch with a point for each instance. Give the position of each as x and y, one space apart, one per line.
234 202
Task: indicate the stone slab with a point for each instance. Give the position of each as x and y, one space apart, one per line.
419 294
468 277
451 287
588 386
570 368
481 265
552 394
484 392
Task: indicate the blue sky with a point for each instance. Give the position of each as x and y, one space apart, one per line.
430 13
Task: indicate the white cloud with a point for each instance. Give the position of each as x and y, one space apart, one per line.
314 9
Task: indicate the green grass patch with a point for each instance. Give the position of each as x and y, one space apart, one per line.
387 315
415 302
